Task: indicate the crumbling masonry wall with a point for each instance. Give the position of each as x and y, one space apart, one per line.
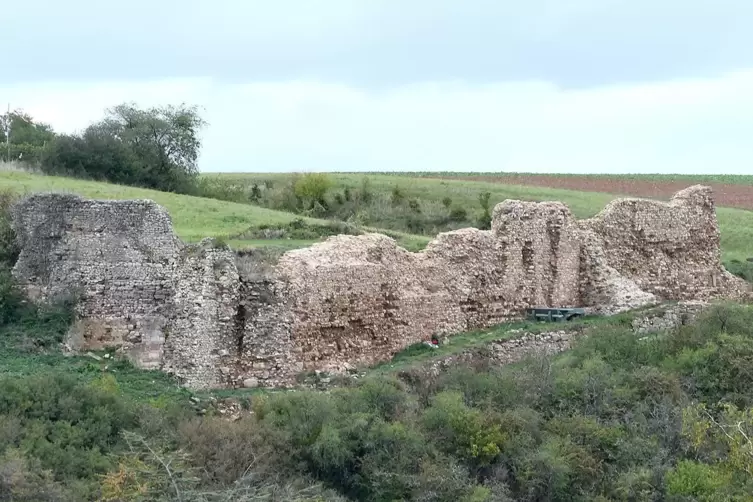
216 319
118 257
359 299
669 249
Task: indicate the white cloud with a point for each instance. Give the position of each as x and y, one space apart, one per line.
681 126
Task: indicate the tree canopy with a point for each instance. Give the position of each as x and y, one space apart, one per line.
28 138
155 147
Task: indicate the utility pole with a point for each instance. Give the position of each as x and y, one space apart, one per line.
7 133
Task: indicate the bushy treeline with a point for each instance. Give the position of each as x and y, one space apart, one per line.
151 148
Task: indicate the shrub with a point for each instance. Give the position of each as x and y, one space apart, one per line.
255 193
224 451
24 480
458 214
693 479
485 220
67 425
461 430
8 246
398 196
312 188
366 195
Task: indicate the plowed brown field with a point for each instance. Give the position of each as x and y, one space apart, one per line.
727 195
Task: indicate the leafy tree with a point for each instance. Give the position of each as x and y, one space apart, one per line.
312 188
154 148
485 220
27 138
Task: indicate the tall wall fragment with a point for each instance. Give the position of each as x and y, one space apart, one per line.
669 249
215 319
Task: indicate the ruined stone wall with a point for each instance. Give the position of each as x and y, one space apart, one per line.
215 319
203 330
118 257
165 305
358 299
669 249
266 354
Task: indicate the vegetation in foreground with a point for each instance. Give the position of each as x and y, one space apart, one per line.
618 418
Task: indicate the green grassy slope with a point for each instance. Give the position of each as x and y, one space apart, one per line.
196 217
193 217
736 224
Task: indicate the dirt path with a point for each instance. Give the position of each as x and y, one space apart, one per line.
727 195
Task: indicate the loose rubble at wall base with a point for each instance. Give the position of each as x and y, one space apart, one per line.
216 319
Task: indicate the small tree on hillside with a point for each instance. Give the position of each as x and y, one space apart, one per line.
312 189
485 220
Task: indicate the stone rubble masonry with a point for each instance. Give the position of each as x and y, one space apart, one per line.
215 318
525 344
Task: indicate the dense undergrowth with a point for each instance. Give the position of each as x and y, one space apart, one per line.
618 418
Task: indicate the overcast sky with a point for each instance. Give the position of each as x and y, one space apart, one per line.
448 85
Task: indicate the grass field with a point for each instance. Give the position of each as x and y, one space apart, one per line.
731 179
196 217
736 224
193 217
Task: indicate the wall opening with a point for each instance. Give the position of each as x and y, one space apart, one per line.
239 328
527 252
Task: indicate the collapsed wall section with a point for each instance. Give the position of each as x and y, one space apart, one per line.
265 352
201 337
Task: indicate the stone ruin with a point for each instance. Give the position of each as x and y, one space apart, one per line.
217 319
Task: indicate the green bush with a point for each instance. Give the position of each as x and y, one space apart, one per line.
8 246
458 214
485 220
312 189
742 269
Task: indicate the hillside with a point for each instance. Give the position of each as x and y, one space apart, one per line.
194 217
427 206
689 179
731 191
243 225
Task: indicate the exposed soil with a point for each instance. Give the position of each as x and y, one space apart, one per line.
726 195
